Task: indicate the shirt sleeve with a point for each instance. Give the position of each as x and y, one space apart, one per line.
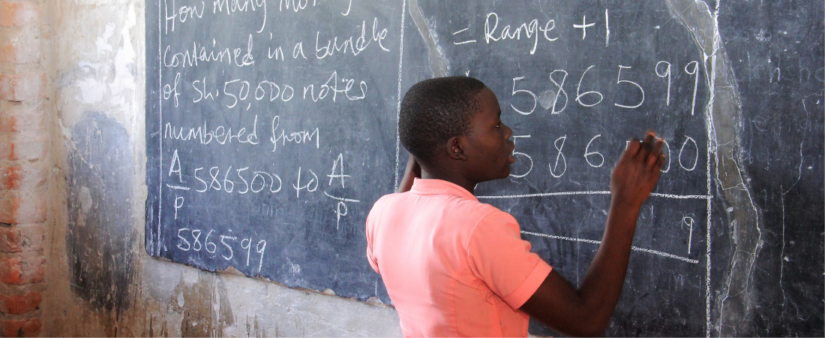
498 256
370 231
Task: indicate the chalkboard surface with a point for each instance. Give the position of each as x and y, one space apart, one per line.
272 129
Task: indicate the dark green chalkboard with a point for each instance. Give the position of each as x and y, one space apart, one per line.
272 128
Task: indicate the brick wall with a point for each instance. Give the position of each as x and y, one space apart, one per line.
23 168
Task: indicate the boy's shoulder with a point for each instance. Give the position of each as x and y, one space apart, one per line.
388 199
406 199
383 202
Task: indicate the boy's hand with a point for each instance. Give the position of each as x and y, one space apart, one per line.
637 172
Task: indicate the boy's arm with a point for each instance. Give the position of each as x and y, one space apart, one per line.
587 311
413 171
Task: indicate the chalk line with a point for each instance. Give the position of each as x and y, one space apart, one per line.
398 109
341 198
160 119
607 28
709 126
601 192
464 42
634 248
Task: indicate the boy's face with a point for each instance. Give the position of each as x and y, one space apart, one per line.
489 151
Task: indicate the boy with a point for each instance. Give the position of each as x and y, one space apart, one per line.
456 267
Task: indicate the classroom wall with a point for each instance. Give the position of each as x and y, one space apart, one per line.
72 197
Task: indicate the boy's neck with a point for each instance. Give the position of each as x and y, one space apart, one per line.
451 177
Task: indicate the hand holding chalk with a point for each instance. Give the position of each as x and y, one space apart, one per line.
637 171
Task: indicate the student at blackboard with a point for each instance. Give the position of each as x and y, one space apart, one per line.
456 267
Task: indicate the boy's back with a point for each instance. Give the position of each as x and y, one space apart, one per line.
452 265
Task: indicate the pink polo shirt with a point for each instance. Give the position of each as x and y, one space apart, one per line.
453 266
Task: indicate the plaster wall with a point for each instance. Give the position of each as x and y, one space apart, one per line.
100 279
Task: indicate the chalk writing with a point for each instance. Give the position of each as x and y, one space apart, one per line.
361 43
190 239
315 90
221 135
298 137
554 168
519 155
174 14
529 29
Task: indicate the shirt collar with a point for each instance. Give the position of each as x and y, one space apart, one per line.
439 187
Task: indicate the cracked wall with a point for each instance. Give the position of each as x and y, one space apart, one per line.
101 281
723 116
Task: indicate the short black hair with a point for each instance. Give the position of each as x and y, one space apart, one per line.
435 110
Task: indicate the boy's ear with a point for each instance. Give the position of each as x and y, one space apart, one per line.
455 148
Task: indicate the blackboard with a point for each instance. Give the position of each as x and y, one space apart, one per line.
271 129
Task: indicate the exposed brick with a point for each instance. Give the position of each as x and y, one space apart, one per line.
21 327
22 206
22 87
23 146
19 289
17 117
22 175
22 238
16 14
22 303
22 269
19 46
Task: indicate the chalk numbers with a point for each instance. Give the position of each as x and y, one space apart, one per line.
631 92
692 68
559 83
689 222
557 169
516 91
592 94
664 72
620 81
631 95
593 158
518 155
195 240
687 156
